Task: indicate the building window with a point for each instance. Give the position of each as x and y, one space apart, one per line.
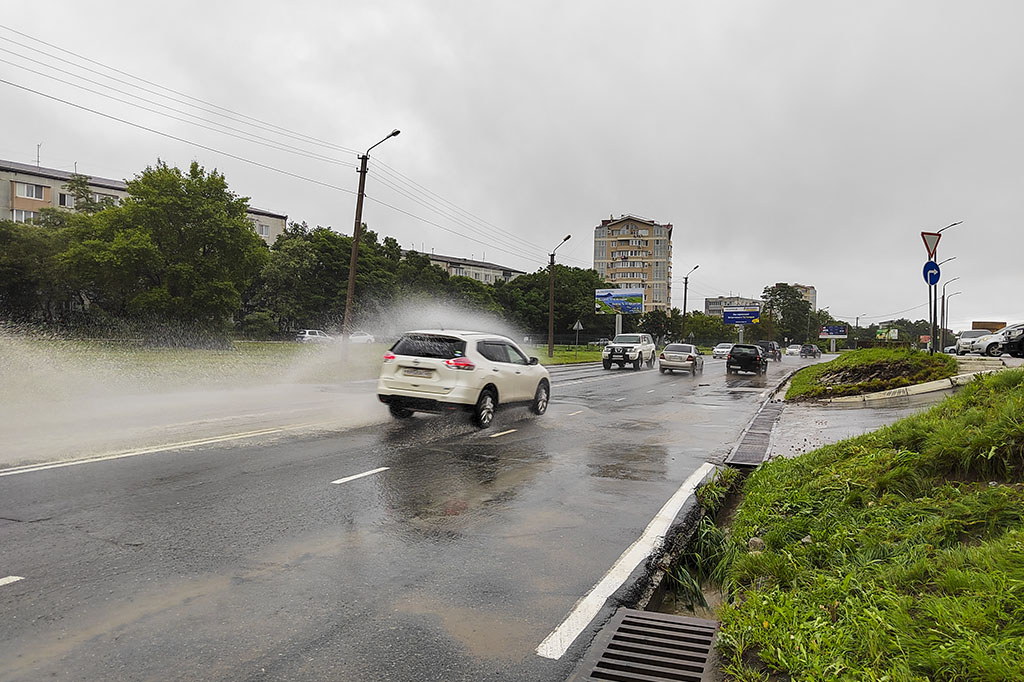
263 230
20 216
66 200
29 191
102 198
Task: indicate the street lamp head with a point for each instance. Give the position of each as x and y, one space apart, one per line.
950 225
395 132
567 238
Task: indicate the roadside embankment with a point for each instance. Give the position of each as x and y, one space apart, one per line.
869 370
898 554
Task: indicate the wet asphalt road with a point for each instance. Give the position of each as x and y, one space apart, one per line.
243 561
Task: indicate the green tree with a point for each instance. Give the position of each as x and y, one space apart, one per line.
525 301
29 282
784 313
709 329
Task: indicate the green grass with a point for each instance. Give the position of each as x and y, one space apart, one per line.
566 354
898 555
869 370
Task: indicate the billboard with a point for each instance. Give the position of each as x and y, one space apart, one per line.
887 334
833 331
619 301
741 314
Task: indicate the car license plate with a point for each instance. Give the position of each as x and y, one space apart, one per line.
673 358
416 372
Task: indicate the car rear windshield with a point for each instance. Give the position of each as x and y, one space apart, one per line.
627 338
744 350
430 346
679 348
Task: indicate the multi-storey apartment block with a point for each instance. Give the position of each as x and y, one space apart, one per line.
713 306
25 190
806 291
485 272
636 253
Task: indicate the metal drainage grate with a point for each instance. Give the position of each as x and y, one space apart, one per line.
643 646
753 446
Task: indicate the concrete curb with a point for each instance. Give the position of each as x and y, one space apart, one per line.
916 389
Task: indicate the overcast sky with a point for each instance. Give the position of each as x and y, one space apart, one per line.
806 142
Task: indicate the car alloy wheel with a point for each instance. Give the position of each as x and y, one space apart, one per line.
993 351
638 362
540 399
483 413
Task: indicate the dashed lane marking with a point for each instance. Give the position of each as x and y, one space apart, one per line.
573 414
362 475
651 391
10 579
619 400
502 433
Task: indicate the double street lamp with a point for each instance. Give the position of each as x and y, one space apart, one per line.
942 317
357 231
551 298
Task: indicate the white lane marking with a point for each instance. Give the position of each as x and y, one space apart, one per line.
619 400
651 391
573 414
502 433
10 579
29 468
555 645
365 473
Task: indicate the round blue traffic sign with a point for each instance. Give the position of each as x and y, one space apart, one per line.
931 272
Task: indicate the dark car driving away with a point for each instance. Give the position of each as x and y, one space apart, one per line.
809 350
747 358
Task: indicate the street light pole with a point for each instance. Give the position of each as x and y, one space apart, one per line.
551 298
935 305
945 313
686 284
357 231
942 316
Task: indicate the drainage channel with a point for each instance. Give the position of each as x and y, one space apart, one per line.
753 446
643 646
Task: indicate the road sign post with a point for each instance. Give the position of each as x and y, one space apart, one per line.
577 327
931 278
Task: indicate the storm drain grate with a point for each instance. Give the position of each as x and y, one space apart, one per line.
643 646
753 446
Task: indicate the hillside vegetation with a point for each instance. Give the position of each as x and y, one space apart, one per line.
869 370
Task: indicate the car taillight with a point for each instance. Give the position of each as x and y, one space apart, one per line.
729 356
460 363
661 357
689 358
389 356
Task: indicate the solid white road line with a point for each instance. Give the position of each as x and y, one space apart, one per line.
573 414
29 468
365 473
502 433
10 579
555 645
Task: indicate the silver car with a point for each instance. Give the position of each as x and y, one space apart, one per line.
681 356
720 351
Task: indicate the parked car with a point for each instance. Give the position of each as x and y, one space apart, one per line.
682 356
747 358
439 371
991 344
793 349
772 349
603 341
720 351
966 338
1012 342
636 349
313 336
810 350
361 337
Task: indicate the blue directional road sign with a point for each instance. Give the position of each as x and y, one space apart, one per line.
931 273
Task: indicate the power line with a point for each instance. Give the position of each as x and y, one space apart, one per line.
247 137
270 126
178 139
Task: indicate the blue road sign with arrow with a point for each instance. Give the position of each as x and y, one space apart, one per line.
931 272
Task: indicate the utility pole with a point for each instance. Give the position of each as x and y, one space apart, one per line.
357 231
686 284
551 298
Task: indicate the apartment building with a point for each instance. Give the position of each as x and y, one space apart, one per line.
485 272
808 293
25 190
636 253
713 306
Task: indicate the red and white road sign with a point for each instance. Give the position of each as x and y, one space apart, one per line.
931 242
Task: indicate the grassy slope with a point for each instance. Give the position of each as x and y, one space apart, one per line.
898 555
898 367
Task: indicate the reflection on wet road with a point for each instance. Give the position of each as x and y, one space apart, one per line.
452 559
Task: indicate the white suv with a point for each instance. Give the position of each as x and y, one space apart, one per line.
636 349
437 370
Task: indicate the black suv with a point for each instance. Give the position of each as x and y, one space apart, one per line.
746 357
771 349
809 350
